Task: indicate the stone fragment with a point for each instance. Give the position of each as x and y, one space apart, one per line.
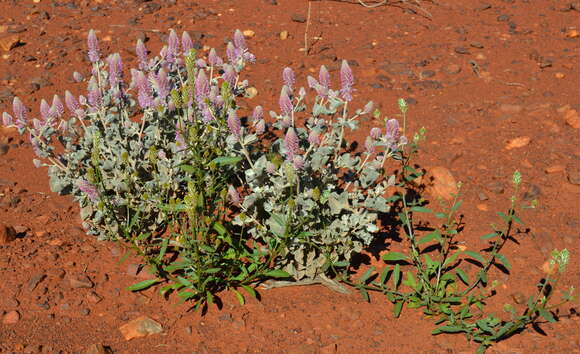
9 42
80 282
284 35
249 33
532 192
94 298
441 183
11 317
298 18
7 234
572 118
572 33
554 169
461 50
495 187
518 142
35 280
98 349
573 174
140 327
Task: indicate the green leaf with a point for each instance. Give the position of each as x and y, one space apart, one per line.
250 291
398 308
220 229
451 259
503 216
396 276
456 206
435 235
448 329
367 274
364 293
518 220
419 209
394 256
212 270
277 273
187 168
240 297
227 160
475 256
547 315
164 245
462 275
143 285
503 260
488 236
410 281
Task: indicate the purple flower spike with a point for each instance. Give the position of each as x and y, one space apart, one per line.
291 144
213 58
71 102
89 189
58 106
260 127
324 77
20 112
201 87
186 43
289 77
141 51
93 44
257 114
230 75
201 63
286 106
234 123
368 107
231 53
320 90
239 40
44 110
347 81
161 83
233 195
115 69
314 138
392 133
206 115
172 47
7 119
94 95
145 92
298 162
375 133
78 77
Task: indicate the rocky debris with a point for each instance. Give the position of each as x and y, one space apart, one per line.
80 282
532 192
284 35
9 42
140 327
298 18
518 142
11 317
98 349
35 280
554 169
94 298
572 118
495 187
573 174
441 183
7 234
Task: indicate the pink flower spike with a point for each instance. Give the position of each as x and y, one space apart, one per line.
186 43
289 77
375 133
201 86
71 102
239 40
231 53
291 143
213 58
324 77
234 123
286 106
298 162
347 81
314 138
93 45
7 119
57 105
44 110
260 127
233 195
141 52
369 145
257 114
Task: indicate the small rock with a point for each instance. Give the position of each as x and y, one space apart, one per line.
573 174
249 33
98 349
461 50
510 108
251 92
559 75
452 69
554 169
94 298
476 45
482 196
441 183
284 35
151 7
9 42
503 18
7 234
329 349
140 327
572 118
35 280
518 142
572 33
531 193
11 317
81 282
4 148
495 187
298 18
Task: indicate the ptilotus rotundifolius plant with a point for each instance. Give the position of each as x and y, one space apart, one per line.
123 142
